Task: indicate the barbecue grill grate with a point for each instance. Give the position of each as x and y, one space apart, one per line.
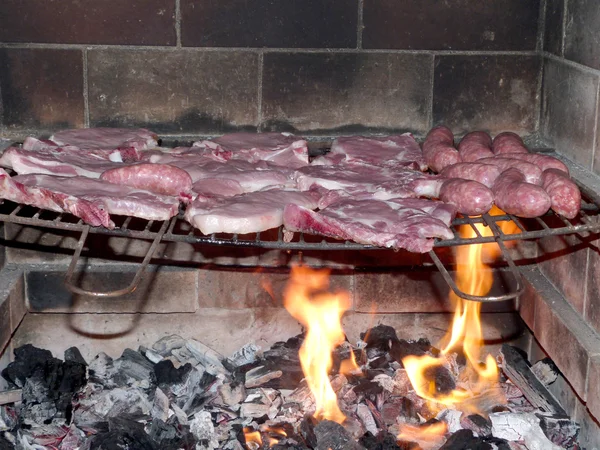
178 230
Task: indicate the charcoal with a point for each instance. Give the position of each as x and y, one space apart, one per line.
198 393
383 441
332 436
160 406
101 405
381 337
379 363
74 355
546 371
8 418
248 354
28 360
102 370
151 355
399 407
307 431
37 413
478 424
123 434
232 394
401 349
452 418
171 437
442 379
560 430
135 367
261 375
201 426
73 439
210 359
165 345
368 388
365 416
166 374
5 444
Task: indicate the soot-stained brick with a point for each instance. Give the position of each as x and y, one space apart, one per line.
553 29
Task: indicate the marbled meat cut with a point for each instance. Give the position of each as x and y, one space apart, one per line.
88 138
544 162
282 149
469 197
440 210
532 173
438 149
399 150
248 213
515 196
564 194
121 154
370 222
508 142
485 174
475 145
61 161
112 198
159 178
15 191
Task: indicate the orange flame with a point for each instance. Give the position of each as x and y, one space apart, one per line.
252 439
424 435
320 312
476 278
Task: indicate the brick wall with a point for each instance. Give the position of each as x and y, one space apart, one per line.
312 66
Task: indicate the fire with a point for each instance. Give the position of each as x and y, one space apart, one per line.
320 312
252 439
473 276
424 435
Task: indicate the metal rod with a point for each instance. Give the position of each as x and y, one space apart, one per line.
118 293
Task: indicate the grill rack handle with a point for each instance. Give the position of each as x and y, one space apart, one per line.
118 293
513 269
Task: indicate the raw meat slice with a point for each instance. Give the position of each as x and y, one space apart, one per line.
88 138
485 174
475 145
439 150
112 198
399 150
469 197
440 210
13 190
533 174
544 162
160 178
56 162
247 213
508 142
282 149
514 196
564 193
166 155
370 222
121 154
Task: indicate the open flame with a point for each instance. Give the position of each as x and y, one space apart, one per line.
475 277
431 435
307 300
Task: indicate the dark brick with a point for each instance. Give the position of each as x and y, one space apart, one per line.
553 30
455 25
593 393
581 34
181 92
568 110
41 88
564 263
493 93
592 307
142 22
349 92
267 23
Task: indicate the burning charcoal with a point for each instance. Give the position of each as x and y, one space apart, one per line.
103 370
248 354
307 431
198 390
118 402
478 424
166 374
165 345
442 379
401 383
546 371
261 402
338 382
122 434
465 440
385 381
560 430
381 337
234 445
231 395
135 368
160 406
332 436
383 441
368 388
74 355
260 375
380 362
203 429
365 416
402 348
521 427
210 359
73 439
28 360
452 418
151 355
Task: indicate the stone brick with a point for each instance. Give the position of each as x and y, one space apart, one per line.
569 110
174 92
493 93
581 33
236 288
284 23
5 328
346 92
592 306
593 386
164 291
553 31
139 22
41 89
527 302
456 25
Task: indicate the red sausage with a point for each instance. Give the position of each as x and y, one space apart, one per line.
564 194
485 174
514 196
544 162
475 145
508 142
533 174
438 149
159 178
469 197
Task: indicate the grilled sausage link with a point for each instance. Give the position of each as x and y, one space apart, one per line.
532 173
469 197
485 174
544 162
508 142
475 145
159 178
515 196
564 194
438 149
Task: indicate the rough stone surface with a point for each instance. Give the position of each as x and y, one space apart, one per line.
177 92
492 93
581 33
346 92
553 30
